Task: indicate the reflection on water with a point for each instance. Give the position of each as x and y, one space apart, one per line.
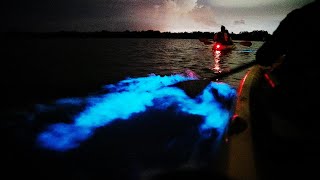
220 61
216 59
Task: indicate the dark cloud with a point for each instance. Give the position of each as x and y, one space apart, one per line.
241 21
44 14
120 15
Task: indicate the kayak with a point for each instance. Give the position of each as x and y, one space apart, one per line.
270 132
248 82
220 47
241 149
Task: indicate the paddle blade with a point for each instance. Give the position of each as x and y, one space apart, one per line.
193 87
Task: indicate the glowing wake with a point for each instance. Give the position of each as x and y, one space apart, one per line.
136 95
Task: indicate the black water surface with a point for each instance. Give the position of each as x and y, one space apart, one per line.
39 71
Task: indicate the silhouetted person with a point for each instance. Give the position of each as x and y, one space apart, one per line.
294 137
223 37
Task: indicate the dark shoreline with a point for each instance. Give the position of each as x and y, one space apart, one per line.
251 36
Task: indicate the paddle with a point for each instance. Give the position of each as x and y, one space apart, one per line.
243 43
193 87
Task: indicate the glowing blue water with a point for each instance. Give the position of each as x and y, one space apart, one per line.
132 96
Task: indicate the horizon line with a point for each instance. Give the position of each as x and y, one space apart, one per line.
130 31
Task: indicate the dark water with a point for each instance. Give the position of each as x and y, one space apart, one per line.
38 71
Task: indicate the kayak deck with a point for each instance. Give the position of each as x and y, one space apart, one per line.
241 151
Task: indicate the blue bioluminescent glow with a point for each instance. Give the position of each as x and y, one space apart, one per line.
135 95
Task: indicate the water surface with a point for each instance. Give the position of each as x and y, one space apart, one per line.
38 69
54 86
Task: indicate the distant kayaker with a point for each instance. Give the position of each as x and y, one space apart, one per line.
223 36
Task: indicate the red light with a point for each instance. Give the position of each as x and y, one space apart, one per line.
272 84
242 83
218 46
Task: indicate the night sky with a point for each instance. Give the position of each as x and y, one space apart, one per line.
138 15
